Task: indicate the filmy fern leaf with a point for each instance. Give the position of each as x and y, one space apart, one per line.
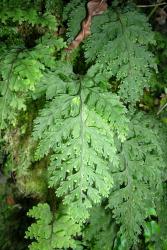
101 230
119 45
139 180
19 74
30 16
51 231
78 128
21 70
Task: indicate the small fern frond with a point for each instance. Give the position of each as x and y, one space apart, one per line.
21 70
101 230
135 191
19 74
51 231
30 16
119 44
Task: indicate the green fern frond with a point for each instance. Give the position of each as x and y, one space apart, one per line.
78 127
20 73
101 230
30 16
119 44
54 6
21 70
139 180
51 231
56 82
95 165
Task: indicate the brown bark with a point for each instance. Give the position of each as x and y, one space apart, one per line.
94 8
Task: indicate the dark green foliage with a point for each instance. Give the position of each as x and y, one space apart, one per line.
101 230
119 45
79 127
136 191
21 70
75 139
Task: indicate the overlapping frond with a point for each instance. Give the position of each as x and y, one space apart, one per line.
21 69
139 180
78 128
51 231
119 46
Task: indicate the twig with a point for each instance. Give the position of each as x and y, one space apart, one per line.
94 8
154 9
151 5
162 108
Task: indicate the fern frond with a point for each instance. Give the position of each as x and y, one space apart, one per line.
19 74
119 44
101 230
79 128
139 179
30 16
21 70
51 231
56 82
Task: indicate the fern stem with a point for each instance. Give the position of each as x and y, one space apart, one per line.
126 44
81 135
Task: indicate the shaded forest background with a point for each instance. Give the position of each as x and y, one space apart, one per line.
34 40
